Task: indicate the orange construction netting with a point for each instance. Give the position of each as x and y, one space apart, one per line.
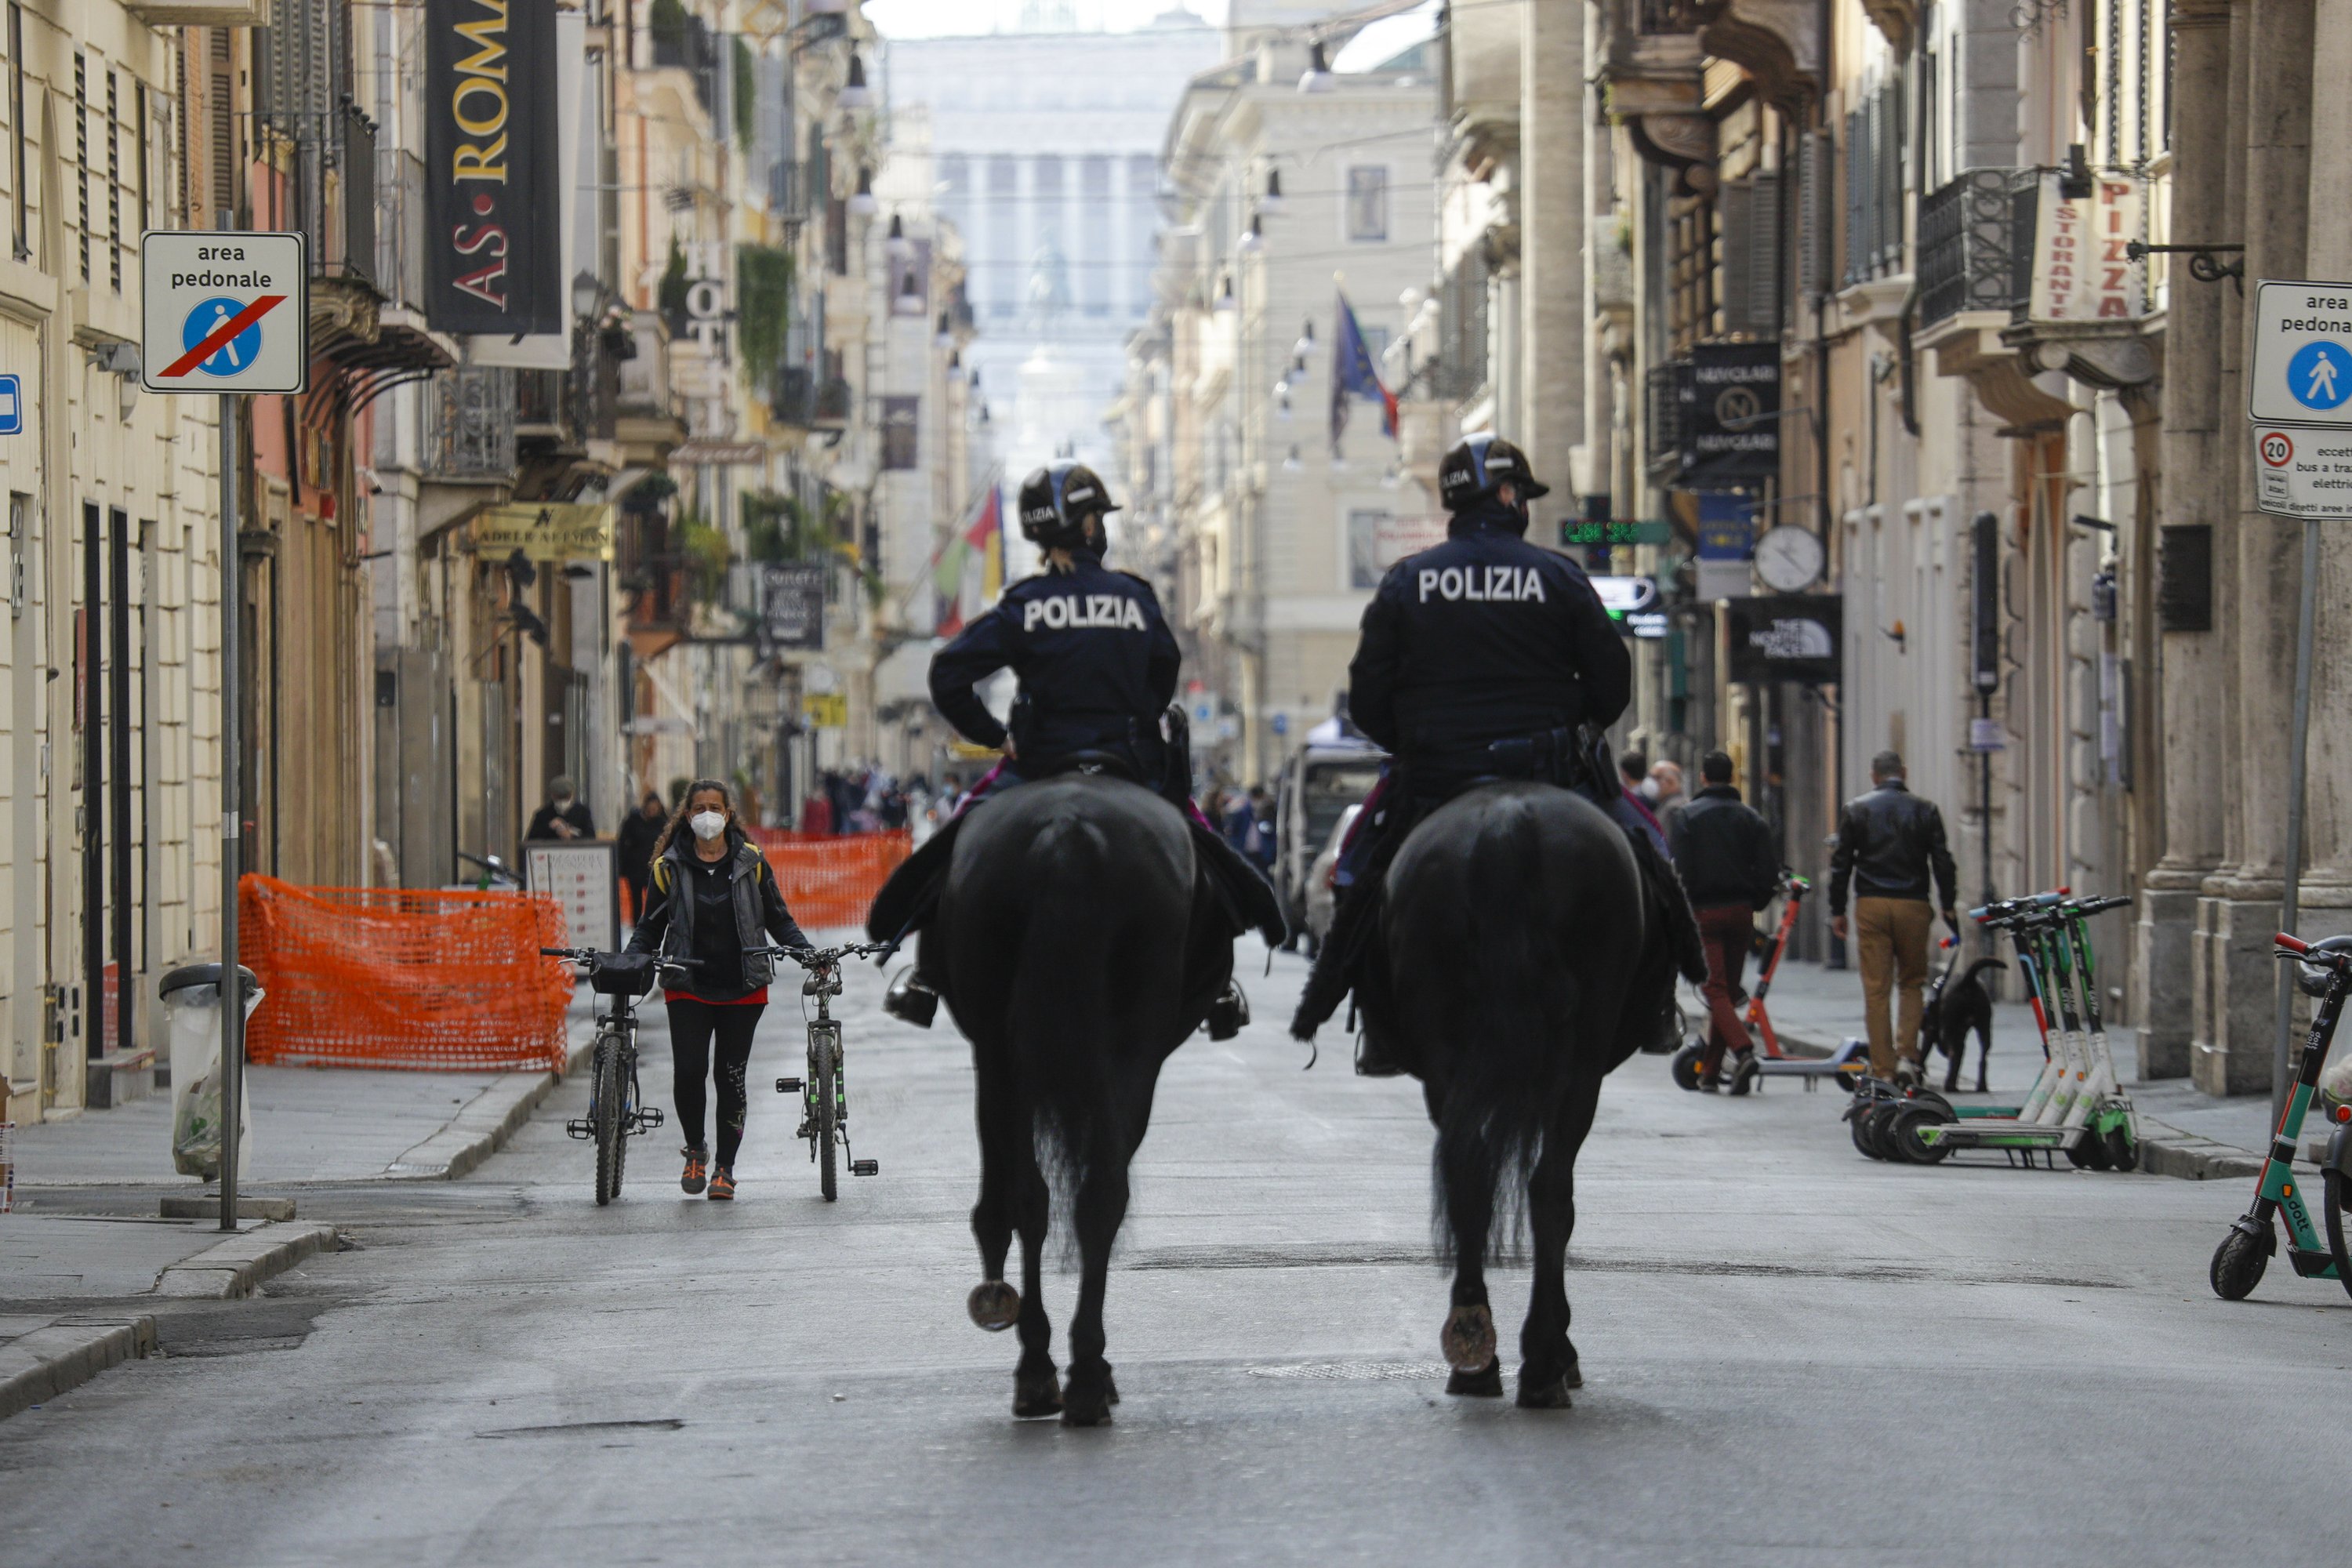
388 977
831 882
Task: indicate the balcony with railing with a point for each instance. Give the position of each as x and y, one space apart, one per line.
1458 371
1968 236
1662 407
469 425
650 568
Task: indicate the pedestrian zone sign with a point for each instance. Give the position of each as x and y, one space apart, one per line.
2302 372
223 310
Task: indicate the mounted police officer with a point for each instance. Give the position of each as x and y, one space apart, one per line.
1484 658
1097 669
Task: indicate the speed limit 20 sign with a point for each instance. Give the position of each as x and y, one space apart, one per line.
2303 471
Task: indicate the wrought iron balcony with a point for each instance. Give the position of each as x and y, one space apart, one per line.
1662 392
1968 239
470 424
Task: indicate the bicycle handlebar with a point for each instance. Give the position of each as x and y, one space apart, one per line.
595 957
822 957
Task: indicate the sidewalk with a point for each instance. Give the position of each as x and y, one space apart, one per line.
309 1125
2188 1133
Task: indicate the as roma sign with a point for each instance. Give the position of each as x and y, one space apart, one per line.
493 252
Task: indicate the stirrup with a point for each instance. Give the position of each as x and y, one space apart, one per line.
1228 1013
911 999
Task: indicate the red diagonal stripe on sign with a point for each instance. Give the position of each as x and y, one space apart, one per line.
223 333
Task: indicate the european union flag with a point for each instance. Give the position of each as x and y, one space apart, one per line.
1353 375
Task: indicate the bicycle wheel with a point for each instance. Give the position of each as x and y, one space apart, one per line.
607 1112
828 1111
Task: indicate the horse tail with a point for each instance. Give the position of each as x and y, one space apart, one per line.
1060 1004
1511 1055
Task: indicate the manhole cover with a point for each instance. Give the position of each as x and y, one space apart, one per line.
1350 1371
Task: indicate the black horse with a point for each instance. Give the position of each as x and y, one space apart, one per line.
1524 961
1078 941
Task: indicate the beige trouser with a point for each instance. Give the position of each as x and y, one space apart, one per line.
1892 937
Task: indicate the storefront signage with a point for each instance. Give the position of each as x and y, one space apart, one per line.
493 252
2081 272
545 531
1731 415
792 605
1786 637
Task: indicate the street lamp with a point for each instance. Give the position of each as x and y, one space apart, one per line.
1253 240
1291 464
898 247
945 337
1226 303
863 203
1306 343
585 293
1273 202
854 93
1317 76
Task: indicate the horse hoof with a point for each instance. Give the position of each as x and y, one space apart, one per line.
1111 1385
994 1305
1469 1338
1482 1382
1552 1395
1087 1400
1034 1398
1574 1378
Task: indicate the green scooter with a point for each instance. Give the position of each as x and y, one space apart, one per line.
2246 1248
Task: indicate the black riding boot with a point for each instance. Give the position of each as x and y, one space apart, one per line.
1353 922
911 999
1228 1013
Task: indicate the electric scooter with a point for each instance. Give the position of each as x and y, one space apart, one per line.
1766 1058
2077 1105
2246 1248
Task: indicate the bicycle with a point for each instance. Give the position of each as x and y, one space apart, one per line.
616 1113
825 1097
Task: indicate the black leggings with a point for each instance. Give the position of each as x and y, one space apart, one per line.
692 1024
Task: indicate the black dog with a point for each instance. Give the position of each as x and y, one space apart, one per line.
1952 1009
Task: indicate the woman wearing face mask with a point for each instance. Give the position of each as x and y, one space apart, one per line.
712 897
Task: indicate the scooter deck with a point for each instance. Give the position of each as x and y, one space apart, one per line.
2010 1135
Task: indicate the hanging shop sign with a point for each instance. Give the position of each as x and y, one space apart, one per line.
493 257
1731 415
825 710
792 605
545 531
1790 637
2081 272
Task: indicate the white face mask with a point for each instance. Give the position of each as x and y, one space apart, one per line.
706 824
1647 789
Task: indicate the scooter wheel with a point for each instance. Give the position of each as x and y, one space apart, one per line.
2238 1265
1858 1123
2123 1153
1685 1065
1903 1138
1877 1125
2088 1153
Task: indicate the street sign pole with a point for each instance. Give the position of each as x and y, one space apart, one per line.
232 991
2298 749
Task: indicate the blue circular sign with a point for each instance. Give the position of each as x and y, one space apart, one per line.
1282 724
236 354
2320 374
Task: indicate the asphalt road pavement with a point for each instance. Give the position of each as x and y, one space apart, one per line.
1790 1355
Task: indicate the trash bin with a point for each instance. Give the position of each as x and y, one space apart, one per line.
191 996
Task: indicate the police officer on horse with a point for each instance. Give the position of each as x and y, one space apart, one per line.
1098 668
1484 658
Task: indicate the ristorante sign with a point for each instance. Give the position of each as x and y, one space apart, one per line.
493 250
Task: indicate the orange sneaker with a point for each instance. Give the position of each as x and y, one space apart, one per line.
696 1168
722 1185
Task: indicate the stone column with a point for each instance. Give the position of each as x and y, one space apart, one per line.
1600 182
2326 892
1552 243
2241 902
2193 495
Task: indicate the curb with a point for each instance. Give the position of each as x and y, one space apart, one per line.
482 1125
240 1262
68 1352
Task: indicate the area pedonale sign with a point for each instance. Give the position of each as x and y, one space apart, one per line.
494 248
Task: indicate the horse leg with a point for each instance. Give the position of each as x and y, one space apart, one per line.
1547 1367
1013 1194
1101 1210
1468 1176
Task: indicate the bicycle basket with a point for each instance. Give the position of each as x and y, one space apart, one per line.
624 975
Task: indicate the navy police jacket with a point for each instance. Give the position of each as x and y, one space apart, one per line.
1096 663
1484 637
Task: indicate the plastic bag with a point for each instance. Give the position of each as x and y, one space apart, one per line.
195 1018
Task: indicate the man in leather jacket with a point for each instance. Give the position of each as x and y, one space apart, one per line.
1889 844
1730 867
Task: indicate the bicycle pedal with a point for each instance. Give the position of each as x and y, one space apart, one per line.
865 1167
788 1086
580 1129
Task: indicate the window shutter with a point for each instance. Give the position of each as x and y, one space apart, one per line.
1813 210
1751 256
221 131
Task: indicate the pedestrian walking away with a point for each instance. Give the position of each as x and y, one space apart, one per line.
713 901
1890 843
1730 867
565 815
640 830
